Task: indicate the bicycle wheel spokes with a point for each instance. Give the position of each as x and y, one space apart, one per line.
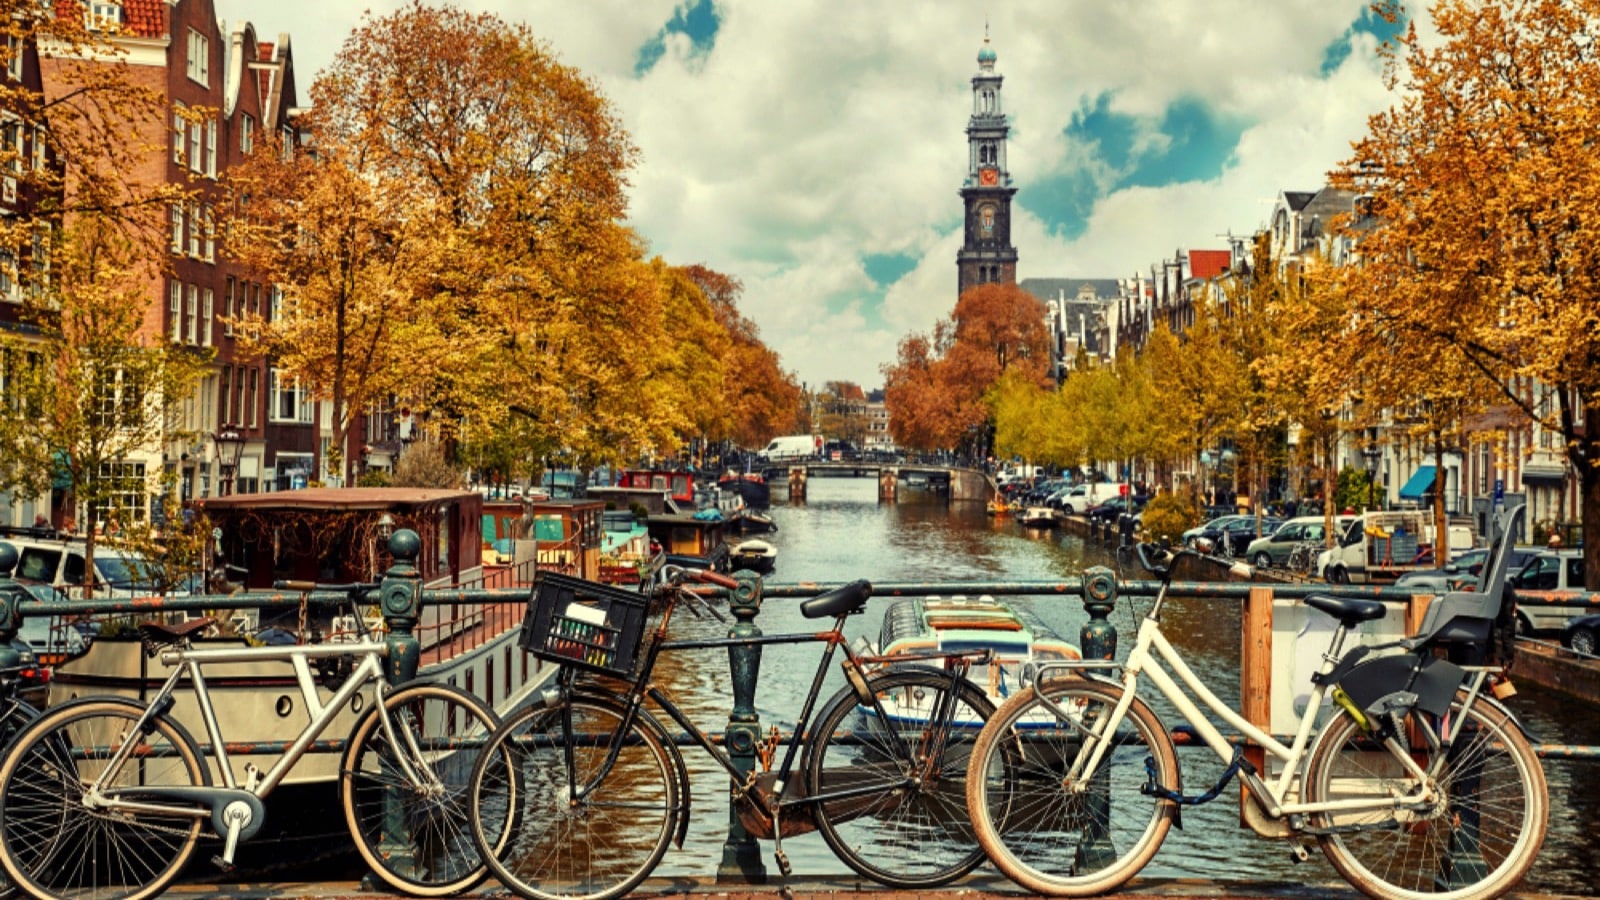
599 846
1054 833
900 817
1476 837
405 788
54 845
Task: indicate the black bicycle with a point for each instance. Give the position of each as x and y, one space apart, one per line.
600 789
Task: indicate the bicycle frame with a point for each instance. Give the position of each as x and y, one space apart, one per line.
190 662
641 689
1153 655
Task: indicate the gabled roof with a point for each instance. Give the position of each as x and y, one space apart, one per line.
1297 200
1208 264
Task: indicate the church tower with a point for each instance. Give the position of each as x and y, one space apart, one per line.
986 254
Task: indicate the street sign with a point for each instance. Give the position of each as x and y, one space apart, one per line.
1499 490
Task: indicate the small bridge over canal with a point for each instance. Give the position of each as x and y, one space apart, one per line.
949 482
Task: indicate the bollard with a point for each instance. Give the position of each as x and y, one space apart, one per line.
11 596
1098 640
400 597
741 855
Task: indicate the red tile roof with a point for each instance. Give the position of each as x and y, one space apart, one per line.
145 18
1209 263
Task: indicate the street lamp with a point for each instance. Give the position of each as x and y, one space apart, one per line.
229 443
1372 453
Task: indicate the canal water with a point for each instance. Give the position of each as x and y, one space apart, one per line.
841 533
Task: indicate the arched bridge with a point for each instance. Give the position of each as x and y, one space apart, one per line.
894 479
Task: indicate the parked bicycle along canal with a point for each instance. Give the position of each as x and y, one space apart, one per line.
841 533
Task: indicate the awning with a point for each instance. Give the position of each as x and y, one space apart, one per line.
1534 473
1420 482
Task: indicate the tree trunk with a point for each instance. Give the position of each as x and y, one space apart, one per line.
1586 463
1441 521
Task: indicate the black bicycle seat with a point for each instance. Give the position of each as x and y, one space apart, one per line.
1348 610
846 599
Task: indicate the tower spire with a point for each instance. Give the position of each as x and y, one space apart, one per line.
986 254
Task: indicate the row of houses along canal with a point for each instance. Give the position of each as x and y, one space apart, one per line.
842 532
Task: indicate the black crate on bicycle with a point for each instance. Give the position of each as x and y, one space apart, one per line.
586 624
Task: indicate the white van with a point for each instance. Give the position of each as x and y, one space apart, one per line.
792 447
1381 545
1078 498
60 564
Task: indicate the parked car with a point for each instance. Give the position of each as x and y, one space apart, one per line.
1550 591
1237 531
1459 572
1274 549
1582 634
1113 508
52 638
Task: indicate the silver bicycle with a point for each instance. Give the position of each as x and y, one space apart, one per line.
107 797
1419 783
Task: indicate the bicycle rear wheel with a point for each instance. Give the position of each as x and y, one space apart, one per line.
415 832
1477 840
1049 830
901 819
53 845
599 846
16 714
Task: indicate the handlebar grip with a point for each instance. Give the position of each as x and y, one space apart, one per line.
294 585
708 576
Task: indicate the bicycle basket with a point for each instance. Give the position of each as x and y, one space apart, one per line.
585 624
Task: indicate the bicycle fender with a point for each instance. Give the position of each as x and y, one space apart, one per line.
680 769
1497 706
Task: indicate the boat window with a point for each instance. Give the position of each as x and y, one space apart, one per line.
680 485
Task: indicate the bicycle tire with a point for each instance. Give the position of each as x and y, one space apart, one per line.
596 848
913 830
17 715
1408 855
1035 828
416 836
51 845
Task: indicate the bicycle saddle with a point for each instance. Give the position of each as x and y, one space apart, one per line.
1348 610
847 599
155 635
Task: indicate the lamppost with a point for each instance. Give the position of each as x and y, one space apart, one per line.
1372 453
229 444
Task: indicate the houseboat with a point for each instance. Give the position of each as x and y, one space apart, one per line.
1017 637
562 536
626 555
751 486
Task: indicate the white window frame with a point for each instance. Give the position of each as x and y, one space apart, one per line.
194 230
228 307
211 147
175 311
14 50
247 134
14 141
253 397
177 228
41 144
208 302
191 311
197 139
298 397
180 134
198 64
97 14
208 241
287 150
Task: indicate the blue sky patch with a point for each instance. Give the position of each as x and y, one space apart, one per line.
696 18
887 268
1367 22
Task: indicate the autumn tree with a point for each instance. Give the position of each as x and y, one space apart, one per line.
1484 187
760 398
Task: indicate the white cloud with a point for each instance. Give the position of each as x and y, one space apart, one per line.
819 132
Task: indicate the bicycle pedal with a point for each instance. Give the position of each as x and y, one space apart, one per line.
783 863
1298 853
226 867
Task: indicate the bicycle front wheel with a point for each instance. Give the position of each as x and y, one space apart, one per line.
900 816
54 844
1475 837
404 788
581 831
1044 824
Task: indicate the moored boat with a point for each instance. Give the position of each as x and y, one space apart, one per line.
1038 517
1017 637
751 486
625 555
754 554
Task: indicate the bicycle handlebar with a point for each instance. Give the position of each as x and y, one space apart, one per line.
301 585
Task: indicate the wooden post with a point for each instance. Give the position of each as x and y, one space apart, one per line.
1255 680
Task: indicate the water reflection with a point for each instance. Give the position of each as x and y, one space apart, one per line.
843 533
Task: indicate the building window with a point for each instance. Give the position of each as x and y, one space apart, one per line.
8 275
14 57
227 307
247 134
288 143
275 299
177 228
196 147
290 401
126 493
41 144
191 314
211 147
250 399
175 312
11 143
208 240
199 62
180 134
194 230
207 303
225 396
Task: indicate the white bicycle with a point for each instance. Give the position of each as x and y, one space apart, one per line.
1419 784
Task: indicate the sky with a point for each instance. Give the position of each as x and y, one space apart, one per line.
815 149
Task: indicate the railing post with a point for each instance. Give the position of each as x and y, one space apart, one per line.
1098 640
400 598
11 596
741 855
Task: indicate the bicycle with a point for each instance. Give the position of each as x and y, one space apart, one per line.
1418 784
1303 558
108 797
604 788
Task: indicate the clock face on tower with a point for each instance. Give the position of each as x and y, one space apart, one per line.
988 177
